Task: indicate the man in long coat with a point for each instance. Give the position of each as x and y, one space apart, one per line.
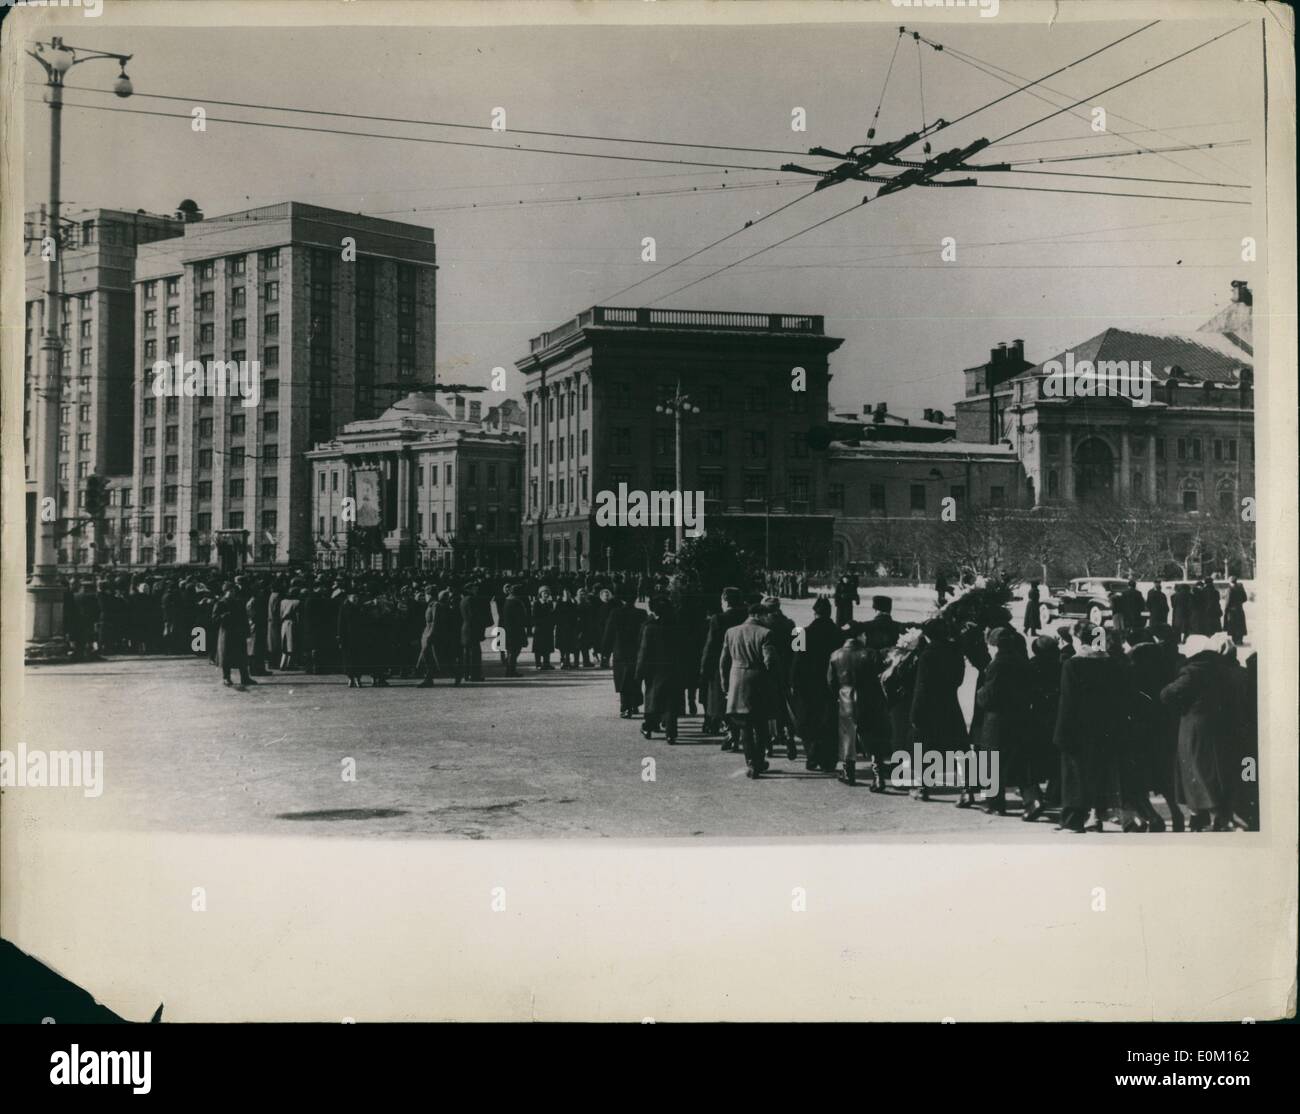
715 706
937 720
1183 609
232 636
514 620
622 642
1234 615
782 628
1091 730
1157 606
813 699
853 675
544 621
1004 698
351 634
660 666
1033 609
745 670
1208 610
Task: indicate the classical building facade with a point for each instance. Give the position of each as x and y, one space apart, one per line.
333 312
97 249
417 486
592 392
1190 448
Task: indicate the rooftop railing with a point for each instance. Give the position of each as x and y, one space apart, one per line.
645 318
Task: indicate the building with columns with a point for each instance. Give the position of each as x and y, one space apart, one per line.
419 486
1191 448
335 313
592 388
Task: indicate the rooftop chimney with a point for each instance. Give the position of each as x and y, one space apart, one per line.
1241 292
188 212
1018 349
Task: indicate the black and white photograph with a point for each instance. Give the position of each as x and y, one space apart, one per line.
725 469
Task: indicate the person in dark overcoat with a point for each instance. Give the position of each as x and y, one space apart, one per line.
274 648
853 676
688 608
255 608
514 620
1204 697
622 642
544 619
1152 747
566 629
811 695
846 596
350 632
1157 606
1091 728
1234 614
781 726
1033 609
973 647
1004 697
661 666
881 631
232 636
745 669
585 606
937 720
1183 609
1041 763
1208 609
604 609
1128 613
730 615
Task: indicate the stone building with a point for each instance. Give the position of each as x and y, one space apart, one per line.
417 486
1189 448
593 386
334 312
97 250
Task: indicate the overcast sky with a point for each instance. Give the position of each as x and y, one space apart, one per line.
911 321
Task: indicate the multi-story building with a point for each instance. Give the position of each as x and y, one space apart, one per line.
594 386
96 249
1189 447
878 490
418 486
334 313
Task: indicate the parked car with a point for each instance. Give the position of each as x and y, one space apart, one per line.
1088 597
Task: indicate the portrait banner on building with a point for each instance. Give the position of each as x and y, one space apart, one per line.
366 486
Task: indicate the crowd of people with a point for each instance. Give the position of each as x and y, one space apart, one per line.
1086 722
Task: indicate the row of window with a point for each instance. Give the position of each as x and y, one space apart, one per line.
711 483
270 456
709 398
235 265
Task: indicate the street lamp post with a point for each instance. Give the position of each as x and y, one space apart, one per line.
678 404
45 630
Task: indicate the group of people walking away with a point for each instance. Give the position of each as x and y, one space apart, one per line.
1086 723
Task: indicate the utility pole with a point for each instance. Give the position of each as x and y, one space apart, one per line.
678 404
45 629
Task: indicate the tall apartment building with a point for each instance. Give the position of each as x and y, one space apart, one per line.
593 385
96 249
335 313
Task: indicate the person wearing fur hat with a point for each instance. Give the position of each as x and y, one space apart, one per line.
1205 698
